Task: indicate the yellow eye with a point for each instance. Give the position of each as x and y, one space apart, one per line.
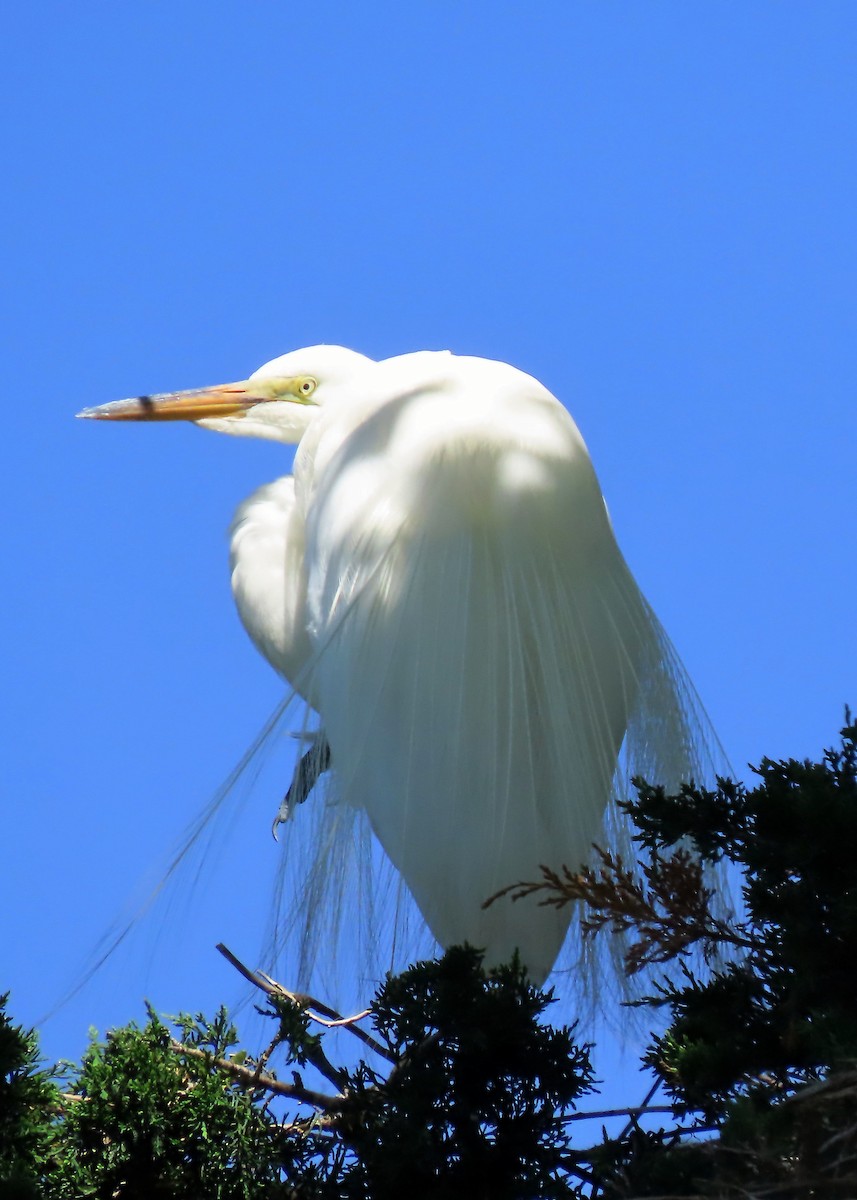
307 387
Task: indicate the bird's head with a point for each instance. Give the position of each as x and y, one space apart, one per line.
277 401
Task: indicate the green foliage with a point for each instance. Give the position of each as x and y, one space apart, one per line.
463 1091
475 1103
28 1100
470 1104
784 1013
145 1118
763 1050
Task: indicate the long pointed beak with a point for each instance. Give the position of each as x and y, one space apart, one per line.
222 400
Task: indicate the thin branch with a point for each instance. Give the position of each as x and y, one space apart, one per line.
606 1113
262 1060
249 975
340 1022
328 1017
318 1059
648 1096
256 1079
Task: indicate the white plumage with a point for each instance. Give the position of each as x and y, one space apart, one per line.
440 580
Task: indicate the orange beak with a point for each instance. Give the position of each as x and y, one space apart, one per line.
222 400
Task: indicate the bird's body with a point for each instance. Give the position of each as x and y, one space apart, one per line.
440 580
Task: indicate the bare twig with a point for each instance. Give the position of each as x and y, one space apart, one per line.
317 1011
236 962
605 1113
255 1078
648 1096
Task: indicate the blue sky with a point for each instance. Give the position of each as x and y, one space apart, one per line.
649 206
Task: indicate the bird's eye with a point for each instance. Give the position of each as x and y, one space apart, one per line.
307 387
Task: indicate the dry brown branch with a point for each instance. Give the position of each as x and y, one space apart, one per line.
669 909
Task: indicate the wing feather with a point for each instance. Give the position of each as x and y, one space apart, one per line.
480 646
488 674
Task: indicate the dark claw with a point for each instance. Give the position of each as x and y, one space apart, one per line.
309 770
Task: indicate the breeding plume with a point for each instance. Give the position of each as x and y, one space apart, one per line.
440 581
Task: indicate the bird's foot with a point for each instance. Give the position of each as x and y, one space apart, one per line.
310 767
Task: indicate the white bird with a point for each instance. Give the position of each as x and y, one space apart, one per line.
440 580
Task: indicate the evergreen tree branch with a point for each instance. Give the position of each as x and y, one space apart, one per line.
669 910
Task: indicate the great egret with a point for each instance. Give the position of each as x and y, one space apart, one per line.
440 580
